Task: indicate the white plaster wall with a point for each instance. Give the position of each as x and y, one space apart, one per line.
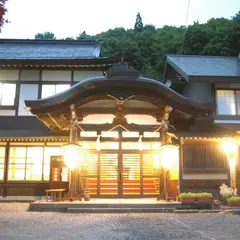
5 112
55 75
81 75
30 75
6 75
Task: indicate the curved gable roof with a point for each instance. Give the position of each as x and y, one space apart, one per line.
120 84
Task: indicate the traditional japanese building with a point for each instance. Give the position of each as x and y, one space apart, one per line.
139 137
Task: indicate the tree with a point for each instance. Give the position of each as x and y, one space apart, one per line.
236 18
45 36
138 24
83 36
3 11
68 38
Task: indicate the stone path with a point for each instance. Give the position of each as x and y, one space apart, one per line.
17 223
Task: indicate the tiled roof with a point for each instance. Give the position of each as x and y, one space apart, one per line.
48 49
205 66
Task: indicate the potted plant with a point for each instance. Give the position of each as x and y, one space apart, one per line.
233 201
188 197
204 197
227 192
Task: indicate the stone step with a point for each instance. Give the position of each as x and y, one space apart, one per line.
120 210
65 205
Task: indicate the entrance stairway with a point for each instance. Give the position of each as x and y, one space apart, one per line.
107 206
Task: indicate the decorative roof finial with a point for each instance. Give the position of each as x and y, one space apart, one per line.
122 69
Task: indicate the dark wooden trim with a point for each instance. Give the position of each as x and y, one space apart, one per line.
40 85
30 82
227 117
130 127
43 156
17 93
125 111
94 62
55 82
6 167
181 165
98 174
120 165
109 139
10 107
215 79
141 173
72 77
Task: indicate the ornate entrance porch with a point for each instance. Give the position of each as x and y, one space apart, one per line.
122 173
121 100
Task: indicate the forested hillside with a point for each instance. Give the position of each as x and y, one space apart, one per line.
148 45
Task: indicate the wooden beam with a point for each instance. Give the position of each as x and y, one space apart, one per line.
55 122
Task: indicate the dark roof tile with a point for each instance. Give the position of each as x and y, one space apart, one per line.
206 66
48 49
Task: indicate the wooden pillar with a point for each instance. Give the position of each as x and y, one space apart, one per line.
6 167
180 181
238 171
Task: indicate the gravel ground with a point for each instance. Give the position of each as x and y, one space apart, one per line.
17 223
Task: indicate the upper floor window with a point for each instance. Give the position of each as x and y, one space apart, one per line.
7 94
228 102
52 89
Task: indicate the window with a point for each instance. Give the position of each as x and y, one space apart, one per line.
7 94
30 163
25 163
52 89
228 102
27 92
2 158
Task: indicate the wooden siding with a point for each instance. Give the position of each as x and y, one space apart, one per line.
204 157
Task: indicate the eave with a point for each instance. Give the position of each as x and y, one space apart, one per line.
59 63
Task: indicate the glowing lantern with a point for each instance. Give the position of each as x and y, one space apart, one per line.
169 156
230 148
72 155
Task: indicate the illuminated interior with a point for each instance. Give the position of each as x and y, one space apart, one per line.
31 163
118 169
2 157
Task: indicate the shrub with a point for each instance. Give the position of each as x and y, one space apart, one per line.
195 195
233 199
204 195
187 195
